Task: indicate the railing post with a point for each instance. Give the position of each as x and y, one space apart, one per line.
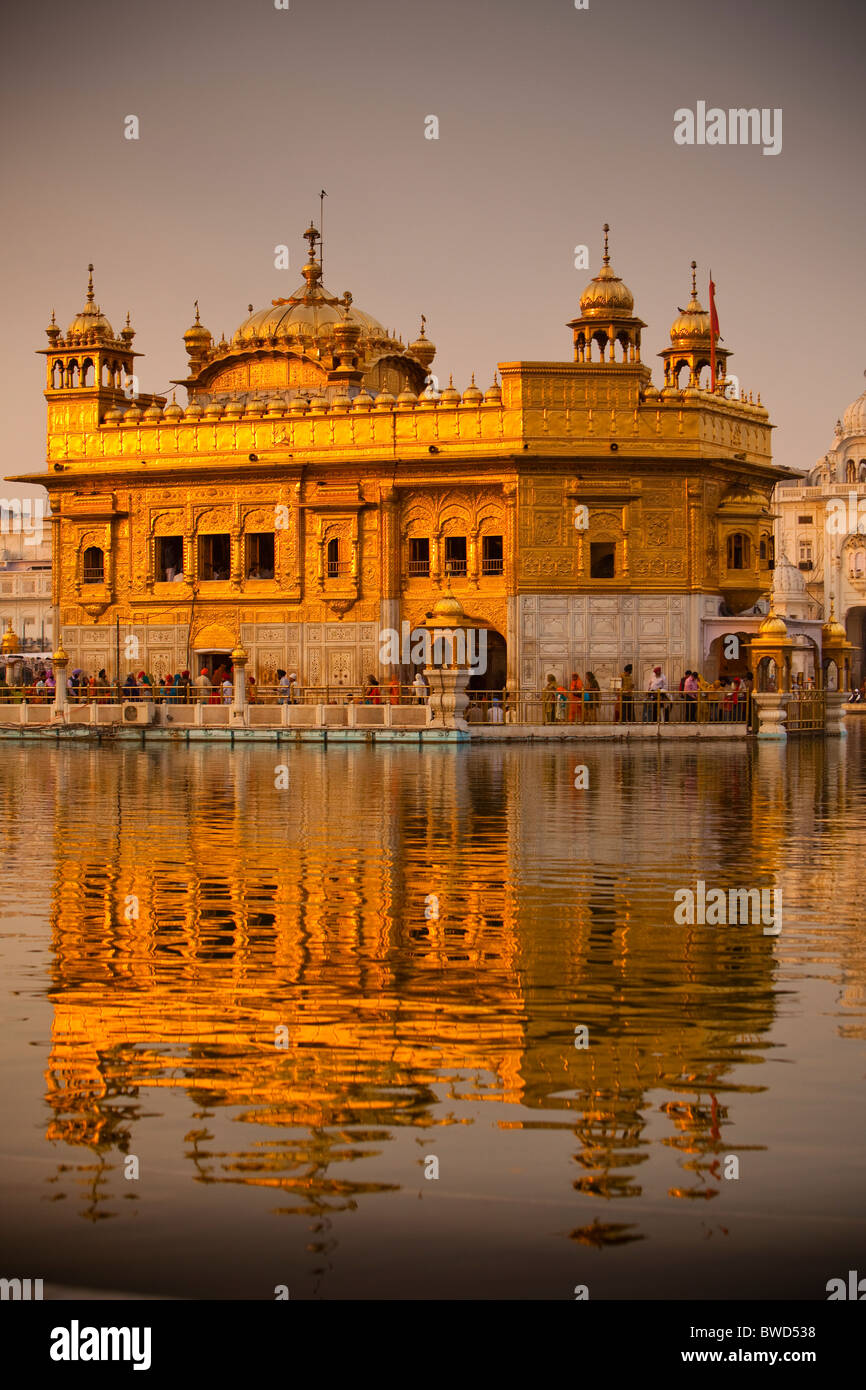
60 661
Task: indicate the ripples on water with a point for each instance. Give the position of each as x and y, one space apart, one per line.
167 912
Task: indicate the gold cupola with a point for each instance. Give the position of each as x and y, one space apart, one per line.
198 342
89 322
606 320
11 641
422 348
691 347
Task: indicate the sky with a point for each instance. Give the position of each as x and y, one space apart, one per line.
551 121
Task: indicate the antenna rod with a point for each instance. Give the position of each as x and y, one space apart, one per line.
322 196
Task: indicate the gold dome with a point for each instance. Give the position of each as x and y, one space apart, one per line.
693 321
422 349
606 293
773 626
91 318
197 336
833 632
11 641
310 314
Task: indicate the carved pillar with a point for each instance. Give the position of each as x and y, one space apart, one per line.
236 557
435 549
512 607
474 562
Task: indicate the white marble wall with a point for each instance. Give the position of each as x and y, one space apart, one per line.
602 632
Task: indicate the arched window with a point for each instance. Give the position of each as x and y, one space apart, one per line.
862 475
72 373
738 551
57 376
851 472
88 374
94 565
767 551
333 557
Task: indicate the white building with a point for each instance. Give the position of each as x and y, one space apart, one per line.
25 586
821 533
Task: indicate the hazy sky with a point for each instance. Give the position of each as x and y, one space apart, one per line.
552 121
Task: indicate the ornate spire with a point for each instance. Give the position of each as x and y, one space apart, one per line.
606 257
90 284
694 280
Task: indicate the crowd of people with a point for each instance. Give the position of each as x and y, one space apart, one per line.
696 698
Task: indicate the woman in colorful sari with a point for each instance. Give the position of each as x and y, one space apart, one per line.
575 699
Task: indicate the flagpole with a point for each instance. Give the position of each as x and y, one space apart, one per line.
714 330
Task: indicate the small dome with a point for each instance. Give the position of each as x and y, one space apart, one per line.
341 402
213 410
406 400
422 349
450 396
11 641
493 394
318 405
449 607
362 401
472 396
254 406
234 410
854 419
384 401
91 318
113 415
833 631
298 405
276 406
773 626
606 293
193 411
153 412
133 413
197 336
173 411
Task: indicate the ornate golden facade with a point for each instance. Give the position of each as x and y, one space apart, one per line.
318 485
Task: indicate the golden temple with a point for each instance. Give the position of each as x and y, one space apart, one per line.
319 487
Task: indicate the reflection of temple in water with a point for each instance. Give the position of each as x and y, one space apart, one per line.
197 909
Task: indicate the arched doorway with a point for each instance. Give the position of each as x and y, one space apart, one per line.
855 631
496 672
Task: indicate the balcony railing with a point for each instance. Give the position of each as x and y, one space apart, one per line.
419 566
494 566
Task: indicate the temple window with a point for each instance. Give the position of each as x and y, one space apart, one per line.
455 554
169 559
419 555
94 565
88 374
335 565
805 553
260 555
767 551
851 472
57 376
602 560
214 557
492 560
738 551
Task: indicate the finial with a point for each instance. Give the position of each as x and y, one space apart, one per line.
451 380
173 395
197 319
606 229
311 235
423 333
90 284
53 319
128 324
694 280
249 308
473 378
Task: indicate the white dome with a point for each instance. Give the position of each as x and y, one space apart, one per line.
854 419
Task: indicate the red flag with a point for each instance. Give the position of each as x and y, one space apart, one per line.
714 333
